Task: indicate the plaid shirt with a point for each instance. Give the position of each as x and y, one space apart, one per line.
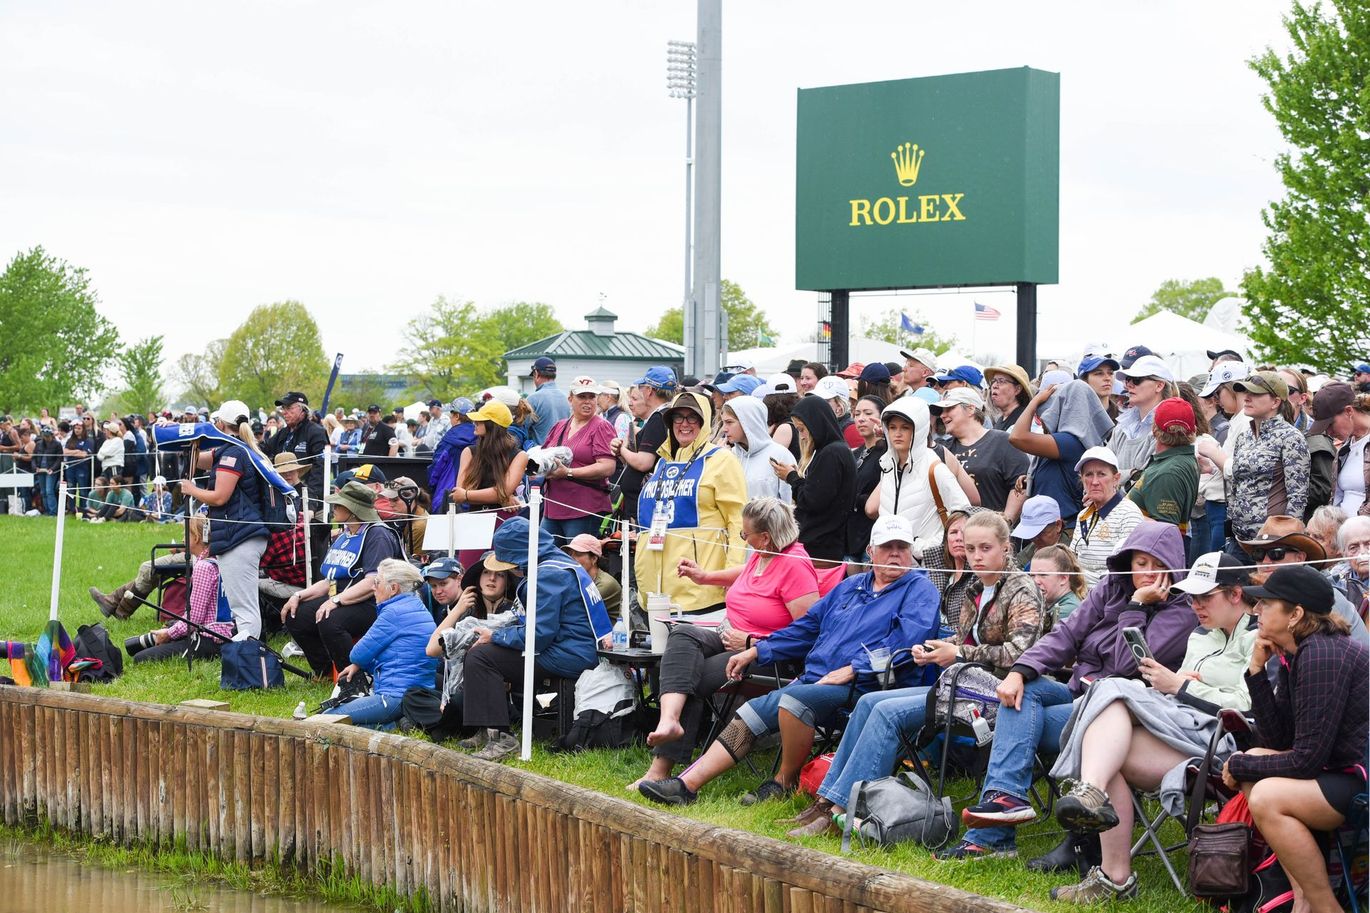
283 559
1317 718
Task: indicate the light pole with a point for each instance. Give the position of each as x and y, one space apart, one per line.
680 83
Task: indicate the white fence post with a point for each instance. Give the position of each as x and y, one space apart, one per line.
530 619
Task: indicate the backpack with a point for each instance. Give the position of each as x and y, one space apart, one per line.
92 642
249 664
604 718
894 809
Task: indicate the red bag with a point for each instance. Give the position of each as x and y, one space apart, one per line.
811 777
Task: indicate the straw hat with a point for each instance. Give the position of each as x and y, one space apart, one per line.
286 462
1015 374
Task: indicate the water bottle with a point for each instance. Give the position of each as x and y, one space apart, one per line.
620 636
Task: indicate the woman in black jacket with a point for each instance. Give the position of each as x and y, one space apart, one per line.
866 415
821 508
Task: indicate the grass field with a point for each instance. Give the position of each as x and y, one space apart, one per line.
108 554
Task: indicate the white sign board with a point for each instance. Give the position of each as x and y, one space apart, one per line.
460 532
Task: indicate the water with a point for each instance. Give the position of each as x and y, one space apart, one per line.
36 880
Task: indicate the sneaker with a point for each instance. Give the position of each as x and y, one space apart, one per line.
967 849
475 742
1086 810
997 809
1096 887
767 791
670 791
291 650
501 745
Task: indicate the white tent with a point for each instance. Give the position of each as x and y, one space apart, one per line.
413 410
774 359
1183 343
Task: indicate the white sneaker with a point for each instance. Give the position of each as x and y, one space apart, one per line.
291 649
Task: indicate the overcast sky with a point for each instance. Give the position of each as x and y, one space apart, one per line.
201 159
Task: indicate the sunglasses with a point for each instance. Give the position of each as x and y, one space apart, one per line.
1275 554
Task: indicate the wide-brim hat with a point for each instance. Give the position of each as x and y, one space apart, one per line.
1288 531
359 500
1015 374
285 462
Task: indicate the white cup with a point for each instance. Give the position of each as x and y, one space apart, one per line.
880 659
659 608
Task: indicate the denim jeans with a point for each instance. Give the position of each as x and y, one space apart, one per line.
1018 734
870 743
812 704
47 484
374 711
566 530
1216 511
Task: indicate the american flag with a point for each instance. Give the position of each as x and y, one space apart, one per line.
985 312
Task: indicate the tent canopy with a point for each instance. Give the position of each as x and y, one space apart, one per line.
1183 343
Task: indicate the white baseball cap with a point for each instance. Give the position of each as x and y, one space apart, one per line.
231 411
891 528
832 387
1149 366
923 356
782 383
738 365
1224 372
583 384
1102 454
958 396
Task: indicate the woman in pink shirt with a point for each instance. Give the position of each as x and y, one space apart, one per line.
172 642
776 585
577 495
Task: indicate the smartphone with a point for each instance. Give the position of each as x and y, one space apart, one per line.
1136 641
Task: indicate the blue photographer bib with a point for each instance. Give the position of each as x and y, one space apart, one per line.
343 556
675 486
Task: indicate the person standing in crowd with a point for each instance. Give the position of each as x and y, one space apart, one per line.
1333 421
1074 421
491 470
1056 571
78 456
1098 370
1269 462
305 441
1167 486
326 617
1147 381
866 417
613 408
834 391
1040 526
438 423
577 493
779 396
442 472
1353 462
549 404
111 452
874 380
824 481
349 441
237 531
1107 518
378 440
1010 391
993 463
810 375
1296 407
919 365
47 467
639 455
744 427
690 507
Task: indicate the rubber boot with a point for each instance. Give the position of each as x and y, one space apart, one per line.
128 601
108 603
1075 853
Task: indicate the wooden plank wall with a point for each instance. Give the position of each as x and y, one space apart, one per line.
471 836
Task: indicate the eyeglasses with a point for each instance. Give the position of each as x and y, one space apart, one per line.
1275 554
690 418
1003 382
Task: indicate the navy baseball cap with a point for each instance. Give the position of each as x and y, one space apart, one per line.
659 376
366 473
434 402
1094 363
875 373
545 366
1133 354
721 378
443 568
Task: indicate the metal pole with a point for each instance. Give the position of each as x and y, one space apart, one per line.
687 304
530 619
1027 327
57 549
839 343
705 356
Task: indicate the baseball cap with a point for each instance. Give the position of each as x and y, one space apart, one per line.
350 418
1224 373
443 568
741 383
891 528
1213 355
231 412
1174 412
505 394
1039 512
374 407
1263 382
782 383
583 384
1362 368
923 356
832 387
927 395
1057 377
1148 366
738 366
585 542
721 378
658 376
493 411
366 473
293 397
1102 454
852 370
1210 571
610 387
1134 353
1095 362
961 396
1297 583
545 366
461 405
1328 403
968 373
434 402
875 373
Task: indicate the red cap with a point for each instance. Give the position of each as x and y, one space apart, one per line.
852 370
1172 412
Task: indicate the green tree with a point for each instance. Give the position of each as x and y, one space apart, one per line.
54 345
1311 304
197 373
1188 298
141 366
520 323
450 349
888 327
748 325
276 349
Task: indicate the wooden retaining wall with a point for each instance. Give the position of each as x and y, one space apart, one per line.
472 836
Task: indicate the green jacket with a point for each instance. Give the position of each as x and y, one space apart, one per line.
1221 663
1168 486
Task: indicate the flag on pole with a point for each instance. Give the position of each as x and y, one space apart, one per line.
908 326
985 312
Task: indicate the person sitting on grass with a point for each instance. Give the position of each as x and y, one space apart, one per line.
392 650
1002 615
116 504
207 606
1034 706
1127 734
891 606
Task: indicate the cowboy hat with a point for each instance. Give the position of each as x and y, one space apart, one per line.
1287 531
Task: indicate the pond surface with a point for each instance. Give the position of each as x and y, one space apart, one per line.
36 880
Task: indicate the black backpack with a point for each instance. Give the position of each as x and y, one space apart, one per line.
92 642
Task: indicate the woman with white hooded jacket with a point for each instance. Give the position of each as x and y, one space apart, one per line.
908 470
744 426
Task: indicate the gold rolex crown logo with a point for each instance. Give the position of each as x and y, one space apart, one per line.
907 160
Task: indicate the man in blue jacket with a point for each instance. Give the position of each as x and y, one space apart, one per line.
891 606
568 611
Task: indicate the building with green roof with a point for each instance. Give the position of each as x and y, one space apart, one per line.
598 351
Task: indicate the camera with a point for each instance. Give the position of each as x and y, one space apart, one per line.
140 643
